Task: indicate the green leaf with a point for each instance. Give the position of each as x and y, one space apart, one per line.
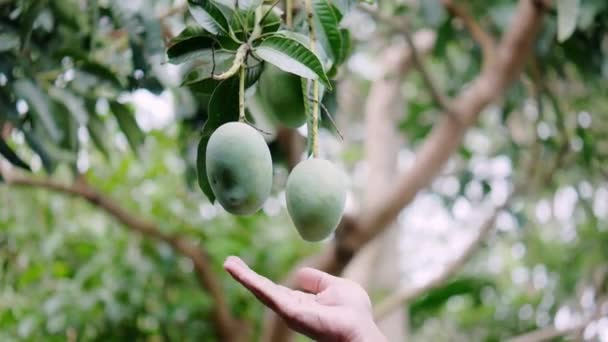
126 121
188 33
291 56
48 152
223 107
8 40
209 15
435 299
69 141
98 133
39 105
92 67
96 128
11 156
101 71
567 13
200 79
328 30
29 14
346 46
68 12
223 61
588 11
271 23
48 162
73 103
191 44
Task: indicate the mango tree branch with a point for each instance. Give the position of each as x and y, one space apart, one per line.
314 129
481 36
446 136
551 332
404 295
438 96
222 318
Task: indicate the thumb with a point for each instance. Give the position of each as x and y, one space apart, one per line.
313 280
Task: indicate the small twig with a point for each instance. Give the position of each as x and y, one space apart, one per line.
481 36
314 132
328 114
269 10
438 96
239 58
257 128
213 59
237 14
401 26
289 13
172 11
242 94
551 332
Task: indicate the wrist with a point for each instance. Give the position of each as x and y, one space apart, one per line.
368 333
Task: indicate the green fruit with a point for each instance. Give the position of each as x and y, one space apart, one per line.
281 95
316 192
239 168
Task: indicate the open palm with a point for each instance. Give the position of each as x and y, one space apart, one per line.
327 309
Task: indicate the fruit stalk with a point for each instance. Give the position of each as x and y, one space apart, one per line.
289 13
314 130
242 94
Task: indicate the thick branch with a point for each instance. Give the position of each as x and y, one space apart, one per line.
401 296
446 136
481 36
222 318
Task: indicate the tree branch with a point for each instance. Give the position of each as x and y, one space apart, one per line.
446 136
481 36
401 26
551 332
173 11
223 320
403 295
438 96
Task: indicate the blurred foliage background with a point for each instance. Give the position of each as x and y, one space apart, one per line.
85 92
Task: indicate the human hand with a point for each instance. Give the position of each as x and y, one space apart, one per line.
328 309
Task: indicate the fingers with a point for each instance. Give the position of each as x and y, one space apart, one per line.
271 294
314 281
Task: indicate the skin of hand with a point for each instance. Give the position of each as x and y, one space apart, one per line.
327 308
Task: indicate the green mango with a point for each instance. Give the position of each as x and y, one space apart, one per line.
239 168
281 95
316 193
